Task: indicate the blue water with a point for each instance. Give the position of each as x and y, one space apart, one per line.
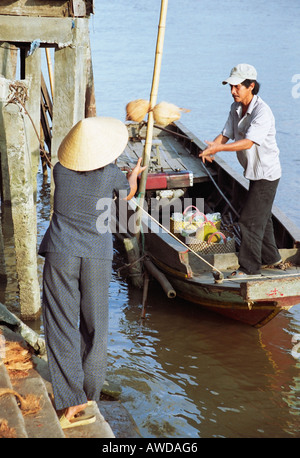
184 372
203 41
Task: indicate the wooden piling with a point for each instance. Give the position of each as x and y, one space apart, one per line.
133 254
32 66
70 77
14 146
8 60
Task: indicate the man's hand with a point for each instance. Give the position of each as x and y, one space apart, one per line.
209 153
220 144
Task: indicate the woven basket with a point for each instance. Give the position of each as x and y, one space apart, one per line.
177 226
212 248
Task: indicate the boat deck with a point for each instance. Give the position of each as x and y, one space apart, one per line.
167 155
252 300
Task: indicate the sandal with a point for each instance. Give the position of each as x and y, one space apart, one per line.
76 421
279 264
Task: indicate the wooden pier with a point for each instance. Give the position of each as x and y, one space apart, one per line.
26 409
32 126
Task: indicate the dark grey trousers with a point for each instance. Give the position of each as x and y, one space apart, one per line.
258 244
75 318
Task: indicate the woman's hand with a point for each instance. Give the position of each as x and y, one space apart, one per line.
132 178
137 169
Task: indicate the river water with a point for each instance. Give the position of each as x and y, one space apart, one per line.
185 372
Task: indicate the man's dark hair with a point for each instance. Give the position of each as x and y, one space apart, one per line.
247 83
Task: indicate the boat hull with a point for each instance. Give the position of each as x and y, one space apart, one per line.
256 314
190 274
227 300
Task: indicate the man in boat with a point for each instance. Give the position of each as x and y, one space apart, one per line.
251 126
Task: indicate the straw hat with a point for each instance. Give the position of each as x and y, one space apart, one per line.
93 143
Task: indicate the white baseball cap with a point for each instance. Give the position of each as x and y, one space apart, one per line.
241 73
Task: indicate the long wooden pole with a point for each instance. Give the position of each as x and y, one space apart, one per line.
50 71
153 98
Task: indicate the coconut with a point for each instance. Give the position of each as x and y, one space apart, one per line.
164 113
137 110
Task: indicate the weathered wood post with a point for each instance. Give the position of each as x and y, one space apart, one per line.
8 59
14 148
33 106
8 66
70 81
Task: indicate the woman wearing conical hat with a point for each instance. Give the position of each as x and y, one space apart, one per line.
78 261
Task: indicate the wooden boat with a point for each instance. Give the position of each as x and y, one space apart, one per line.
192 275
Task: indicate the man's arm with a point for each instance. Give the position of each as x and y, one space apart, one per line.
220 144
220 139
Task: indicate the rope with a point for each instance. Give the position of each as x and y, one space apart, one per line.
220 191
19 95
130 265
180 241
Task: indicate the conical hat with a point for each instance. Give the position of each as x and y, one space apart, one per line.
93 143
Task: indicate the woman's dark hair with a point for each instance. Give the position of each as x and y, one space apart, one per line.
247 83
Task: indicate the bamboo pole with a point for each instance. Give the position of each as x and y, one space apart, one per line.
90 101
153 97
50 71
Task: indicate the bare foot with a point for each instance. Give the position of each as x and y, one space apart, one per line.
72 411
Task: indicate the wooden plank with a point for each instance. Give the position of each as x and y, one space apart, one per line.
128 158
280 286
46 96
50 8
173 155
185 160
46 107
18 29
289 225
47 8
70 83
